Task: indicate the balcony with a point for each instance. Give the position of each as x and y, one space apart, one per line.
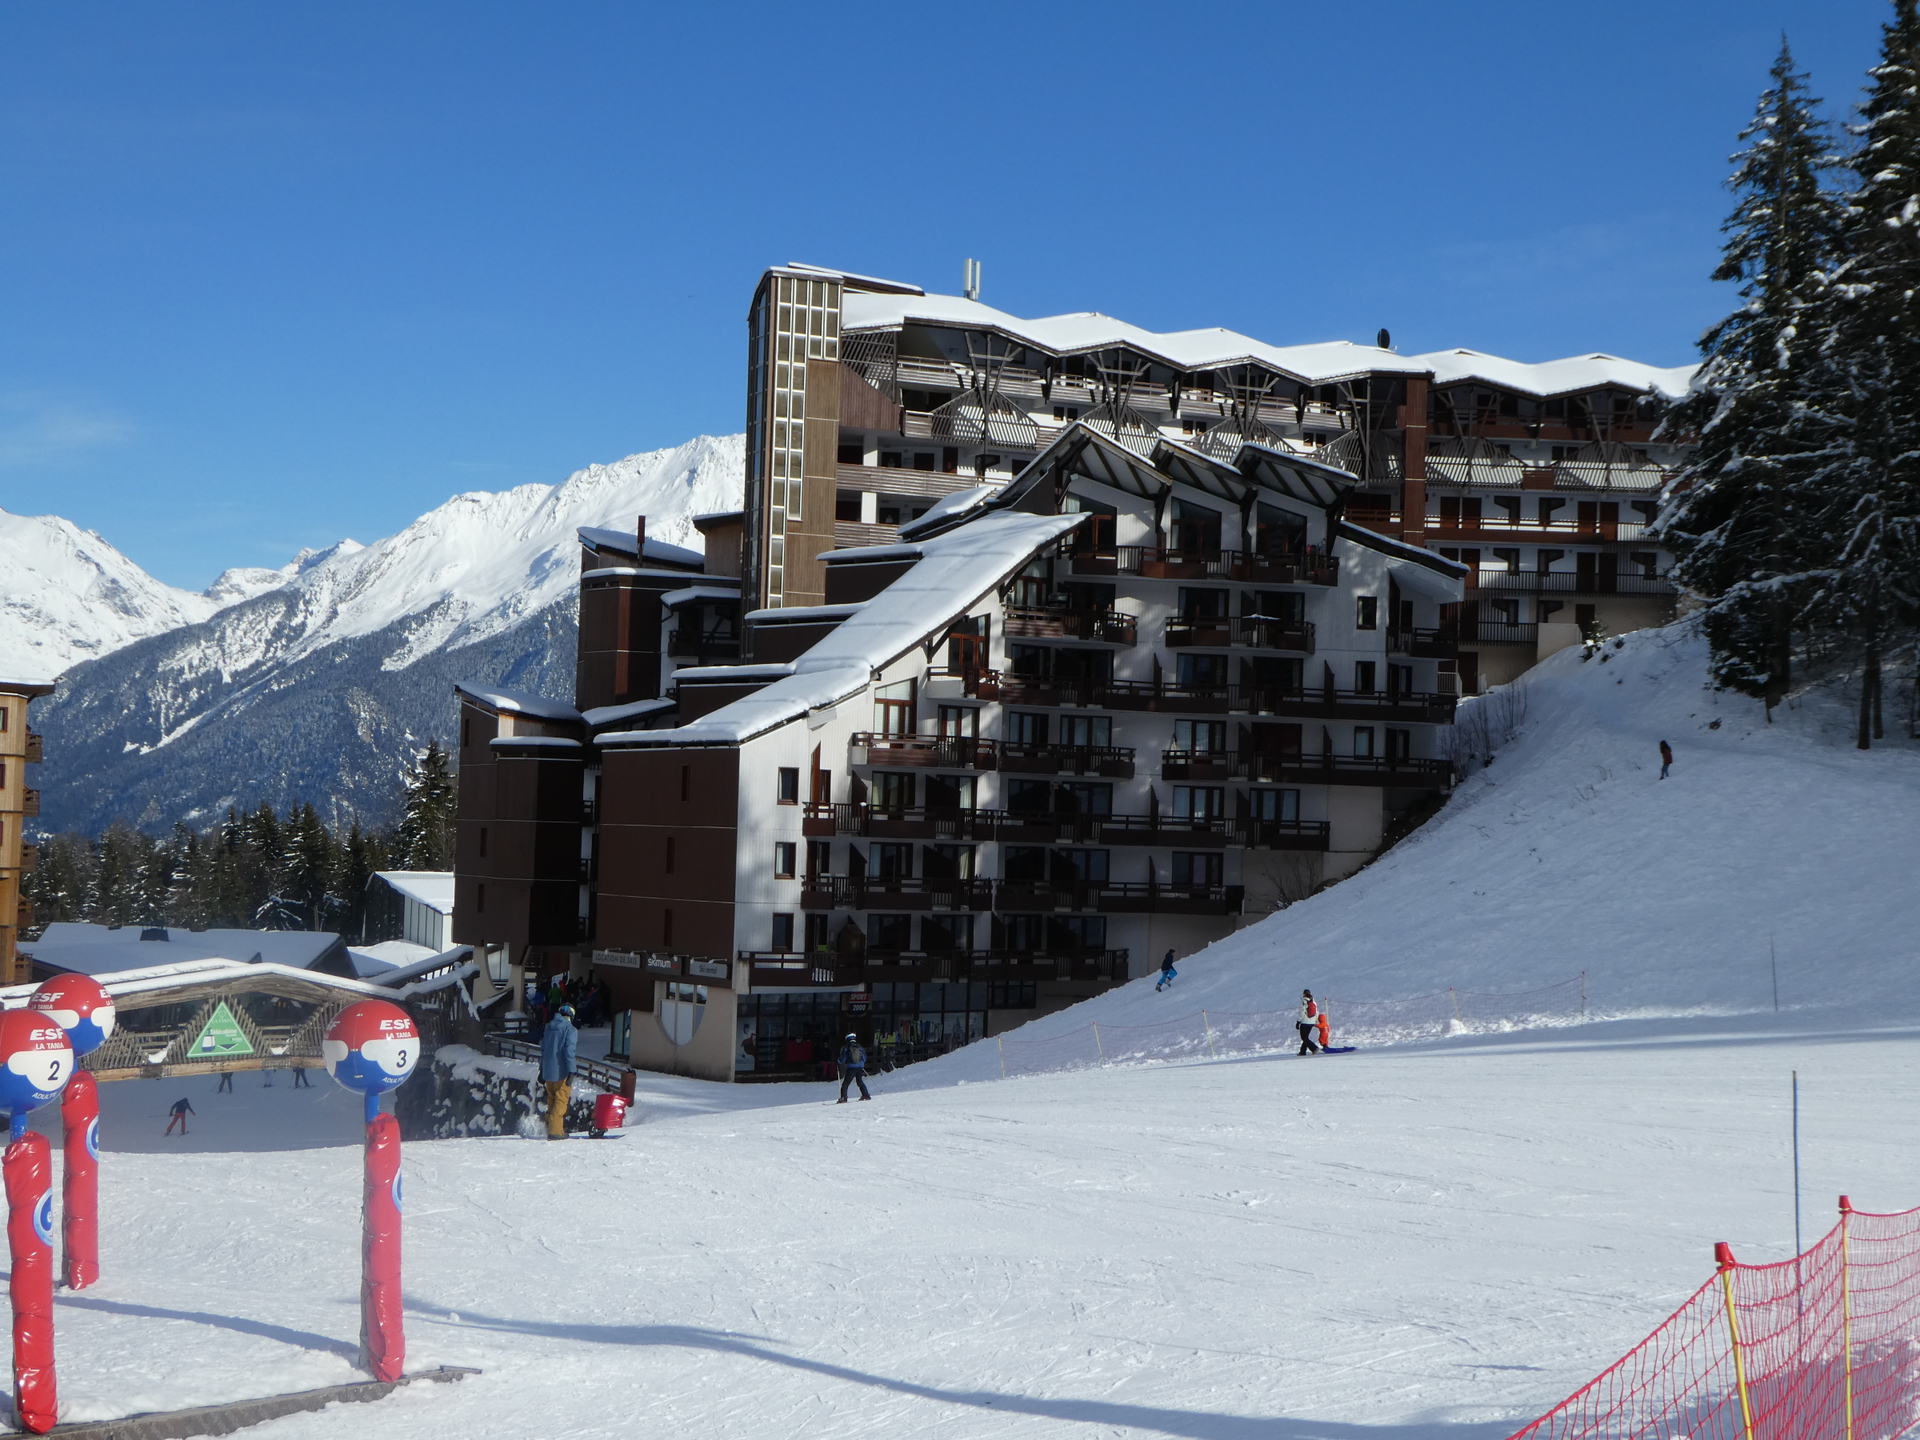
1196 765
1115 897
1197 832
1152 562
1441 643
1499 632
1571 582
954 753
1113 762
708 646
789 969
36 747
894 892
1314 835
901 823
1252 632
1411 707
29 802
29 858
1389 772
1111 627
1501 530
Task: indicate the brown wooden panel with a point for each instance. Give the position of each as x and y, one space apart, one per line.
862 407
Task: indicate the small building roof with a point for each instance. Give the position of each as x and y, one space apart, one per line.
518 702
628 542
100 950
432 888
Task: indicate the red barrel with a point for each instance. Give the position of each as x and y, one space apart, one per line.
609 1112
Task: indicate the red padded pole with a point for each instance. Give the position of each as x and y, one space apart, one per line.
382 1334
80 1184
28 1170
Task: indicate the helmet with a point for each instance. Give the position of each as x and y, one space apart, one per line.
567 1010
852 1036
1306 994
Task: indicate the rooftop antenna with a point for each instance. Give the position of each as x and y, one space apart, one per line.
970 280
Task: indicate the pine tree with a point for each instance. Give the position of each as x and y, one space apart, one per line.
1734 513
424 838
1861 421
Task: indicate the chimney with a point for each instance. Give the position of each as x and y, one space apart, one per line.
640 536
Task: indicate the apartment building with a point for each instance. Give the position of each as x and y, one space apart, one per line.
1041 647
19 747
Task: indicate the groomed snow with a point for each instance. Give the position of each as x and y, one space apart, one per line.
1434 1241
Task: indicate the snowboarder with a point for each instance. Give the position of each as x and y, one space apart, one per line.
181 1108
1167 972
1666 759
853 1069
1308 1022
559 1048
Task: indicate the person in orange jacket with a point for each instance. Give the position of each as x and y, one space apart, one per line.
1326 1025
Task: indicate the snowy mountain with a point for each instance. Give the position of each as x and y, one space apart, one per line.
321 687
67 595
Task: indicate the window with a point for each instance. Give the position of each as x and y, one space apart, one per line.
890 932
819 857
1399 744
1200 672
1366 612
1077 932
1024 727
1508 558
480 898
1363 741
893 709
1029 797
782 936
788 787
817 931
1197 867
1094 731
1084 867
851 451
1363 676
1024 862
784 854
892 791
1200 737
887 860
1075 797
1199 802
959 722
666 864
1274 805
1064 413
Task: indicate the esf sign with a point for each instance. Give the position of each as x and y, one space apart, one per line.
708 969
617 959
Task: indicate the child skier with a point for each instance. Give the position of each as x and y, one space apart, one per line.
1308 1022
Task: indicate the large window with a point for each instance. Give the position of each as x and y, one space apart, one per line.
891 790
893 709
1079 797
1199 802
782 936
1086 730
887 860
889 932
1197 867
1026 727
1200 737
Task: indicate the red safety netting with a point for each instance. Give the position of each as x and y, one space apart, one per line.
1819 1347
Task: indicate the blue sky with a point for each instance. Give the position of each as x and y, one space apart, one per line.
271 275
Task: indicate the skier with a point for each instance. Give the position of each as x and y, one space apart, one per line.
853 1069
181 1108
1666 759
559 1048
1308 1022
1167 972
888 1041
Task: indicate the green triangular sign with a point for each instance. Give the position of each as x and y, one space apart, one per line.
220 1036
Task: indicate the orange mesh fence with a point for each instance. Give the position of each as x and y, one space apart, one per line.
1819 1347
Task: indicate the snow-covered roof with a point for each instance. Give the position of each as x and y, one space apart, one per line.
1207 349
604 571
799 267
954 572
98 950
734 674
633 710
538 742
802 614
432 888
1401 550
944 510
628 542
674 599
1414 569
517 702
27 685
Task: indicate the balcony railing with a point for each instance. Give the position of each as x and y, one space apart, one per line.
1106 896
29 802
791 969
776 969
1442 643
1498 529
1114 762
1253 632
1153 562
1499 632
949 753
894 892
1572 582
1204 832
36 747
1395 771
704 644
1112 627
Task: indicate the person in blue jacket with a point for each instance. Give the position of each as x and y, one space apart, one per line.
559 1048
853 1068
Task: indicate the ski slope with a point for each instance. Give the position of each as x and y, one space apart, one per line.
1431 1241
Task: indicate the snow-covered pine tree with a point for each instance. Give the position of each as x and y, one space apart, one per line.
423 840
1731 515
1860 424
